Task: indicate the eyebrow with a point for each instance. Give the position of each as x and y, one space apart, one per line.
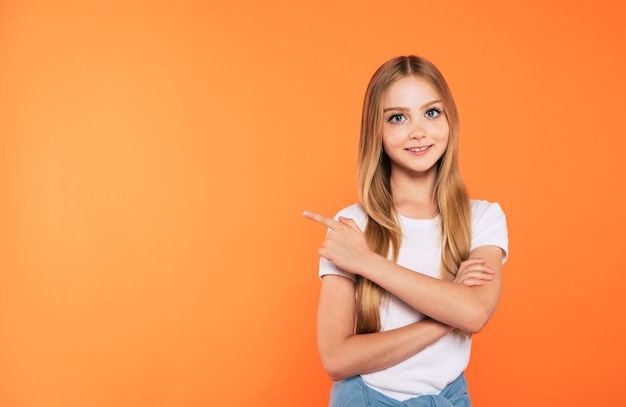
402 109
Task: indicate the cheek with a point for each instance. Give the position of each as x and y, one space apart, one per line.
391 136
386 146
445 141
386 139
441 130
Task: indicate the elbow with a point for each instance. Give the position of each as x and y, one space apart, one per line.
335 368
335 372
474 328
336 376
476 321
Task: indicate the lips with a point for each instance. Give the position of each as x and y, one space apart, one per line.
418 149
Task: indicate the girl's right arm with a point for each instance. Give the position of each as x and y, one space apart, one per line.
344 353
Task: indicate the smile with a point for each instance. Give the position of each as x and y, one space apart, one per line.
418 149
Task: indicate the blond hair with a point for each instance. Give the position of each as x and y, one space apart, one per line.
383 232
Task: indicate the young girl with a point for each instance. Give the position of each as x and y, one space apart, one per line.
415 268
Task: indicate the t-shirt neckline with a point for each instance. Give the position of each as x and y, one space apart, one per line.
418 221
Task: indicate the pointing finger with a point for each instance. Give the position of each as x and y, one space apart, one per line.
328 222
350 222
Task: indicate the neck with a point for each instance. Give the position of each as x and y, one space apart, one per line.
414 194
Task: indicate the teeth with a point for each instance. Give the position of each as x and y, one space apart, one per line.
416 150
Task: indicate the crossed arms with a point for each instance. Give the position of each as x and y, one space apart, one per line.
466 303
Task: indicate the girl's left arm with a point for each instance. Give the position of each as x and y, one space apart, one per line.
458 305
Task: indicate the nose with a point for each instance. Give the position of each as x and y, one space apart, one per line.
417 131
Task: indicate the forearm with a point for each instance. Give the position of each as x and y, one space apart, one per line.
365 353
467 308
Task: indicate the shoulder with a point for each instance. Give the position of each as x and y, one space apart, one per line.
354 212
489 225
484 209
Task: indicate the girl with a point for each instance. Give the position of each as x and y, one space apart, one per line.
415 268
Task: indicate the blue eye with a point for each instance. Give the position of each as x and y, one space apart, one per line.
397 118
432 112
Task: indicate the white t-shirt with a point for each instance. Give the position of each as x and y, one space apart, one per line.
430 370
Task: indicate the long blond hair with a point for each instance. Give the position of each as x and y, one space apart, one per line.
383 232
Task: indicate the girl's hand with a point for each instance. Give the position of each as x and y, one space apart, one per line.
345 243
473 272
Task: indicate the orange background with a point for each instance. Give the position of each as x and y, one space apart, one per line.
155 158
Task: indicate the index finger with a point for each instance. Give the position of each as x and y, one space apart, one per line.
328 222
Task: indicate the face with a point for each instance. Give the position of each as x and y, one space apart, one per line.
415 127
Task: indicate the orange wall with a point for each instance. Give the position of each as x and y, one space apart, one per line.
155 159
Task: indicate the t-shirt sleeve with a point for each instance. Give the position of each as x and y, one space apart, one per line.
327 267
489 227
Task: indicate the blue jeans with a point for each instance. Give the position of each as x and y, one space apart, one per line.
353 392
